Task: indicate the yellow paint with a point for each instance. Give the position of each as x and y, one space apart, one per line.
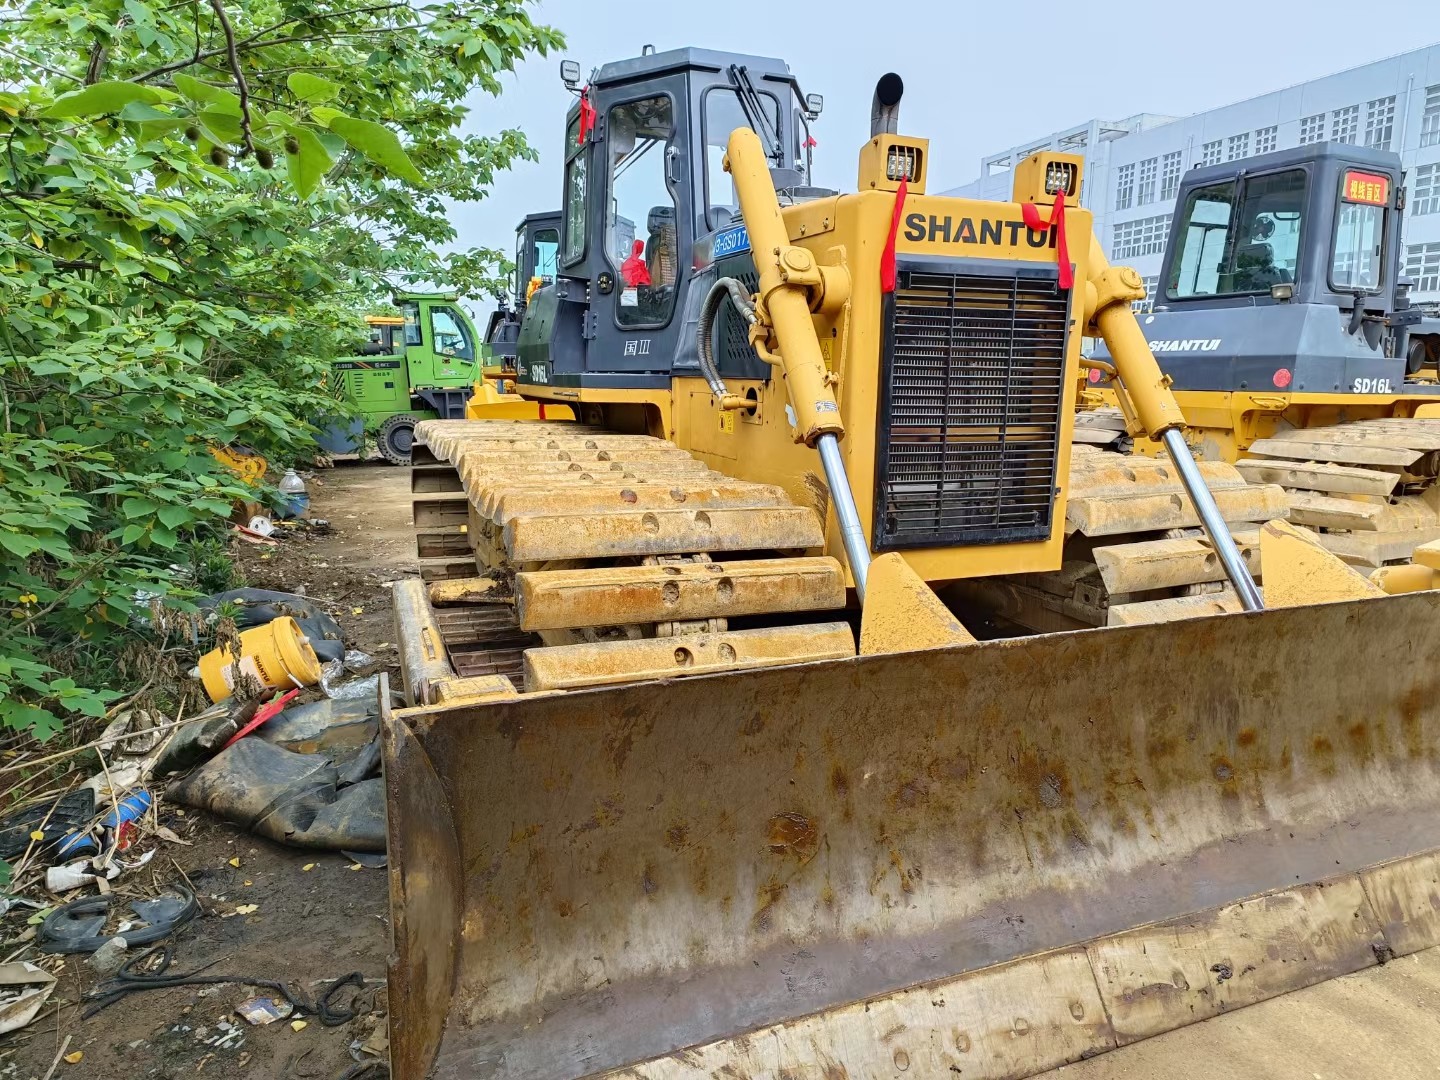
902 614
275 656
1297 570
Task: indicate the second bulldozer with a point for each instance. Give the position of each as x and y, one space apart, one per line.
700 778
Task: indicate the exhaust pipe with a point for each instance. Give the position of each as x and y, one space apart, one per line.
885 106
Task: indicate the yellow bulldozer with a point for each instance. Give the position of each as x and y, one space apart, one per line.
701 777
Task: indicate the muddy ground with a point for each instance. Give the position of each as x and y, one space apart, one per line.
316 918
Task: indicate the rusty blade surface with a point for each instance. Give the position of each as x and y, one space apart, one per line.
661 865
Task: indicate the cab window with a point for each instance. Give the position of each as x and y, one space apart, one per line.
641 240
544 252
411 311
575 189
452 338
1356 259
723 114
1239 238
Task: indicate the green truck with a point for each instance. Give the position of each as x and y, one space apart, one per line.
421 364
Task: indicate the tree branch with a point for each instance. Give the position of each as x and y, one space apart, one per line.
253 41
233 51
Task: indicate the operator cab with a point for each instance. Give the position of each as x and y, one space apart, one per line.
1282 273
644 194
537 246
1323 219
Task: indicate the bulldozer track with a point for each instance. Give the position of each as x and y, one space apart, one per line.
604 558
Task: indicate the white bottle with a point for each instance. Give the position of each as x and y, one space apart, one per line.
295 501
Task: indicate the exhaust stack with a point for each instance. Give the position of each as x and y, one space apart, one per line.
885 106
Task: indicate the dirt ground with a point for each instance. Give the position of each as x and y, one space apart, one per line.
316 917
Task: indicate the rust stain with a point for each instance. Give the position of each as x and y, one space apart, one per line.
767 896
906 885
676 836
753 726
1358 735
1246 737
793 834
648 884
827 896
519 836
1412 707
839 781
1323 751
834 1071
564 909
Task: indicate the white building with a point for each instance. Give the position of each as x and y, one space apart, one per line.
1133 166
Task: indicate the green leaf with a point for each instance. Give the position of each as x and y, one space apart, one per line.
309 87
106 97
379 144
222 126
216 97
172 517
324 115
306 167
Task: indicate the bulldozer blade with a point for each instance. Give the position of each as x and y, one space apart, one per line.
989 859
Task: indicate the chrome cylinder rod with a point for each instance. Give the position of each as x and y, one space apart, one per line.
857 551
1215 527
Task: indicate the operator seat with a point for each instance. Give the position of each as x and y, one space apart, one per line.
1255 269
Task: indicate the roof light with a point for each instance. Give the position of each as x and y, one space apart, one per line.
570 73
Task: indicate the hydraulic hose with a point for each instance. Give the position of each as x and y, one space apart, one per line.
726 286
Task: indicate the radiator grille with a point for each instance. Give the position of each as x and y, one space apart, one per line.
971 393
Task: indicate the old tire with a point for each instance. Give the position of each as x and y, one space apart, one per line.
395 438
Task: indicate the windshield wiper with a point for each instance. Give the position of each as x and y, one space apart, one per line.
754 110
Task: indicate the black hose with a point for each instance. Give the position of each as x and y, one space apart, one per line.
128 981
726 286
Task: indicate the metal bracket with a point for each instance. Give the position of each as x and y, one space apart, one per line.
590 325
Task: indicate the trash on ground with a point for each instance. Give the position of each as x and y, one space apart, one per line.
304 800
261 525
75 875
265 713
370 860
54 820
331 726
24 988
356 689
298 1025
276 655
202 738
294 500
261 606
78 927
259 1011
106 960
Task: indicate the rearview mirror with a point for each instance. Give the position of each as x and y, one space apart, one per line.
570 73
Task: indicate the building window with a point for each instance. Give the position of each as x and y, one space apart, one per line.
1239 147
1312 129
1345 124
1124 187
1430 123
1144 307
1422 265
1380 122
1170 175
1210 153
1427 190
1146 191
1144 236
1265 140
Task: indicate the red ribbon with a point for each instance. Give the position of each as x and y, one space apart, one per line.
887 258
810 142
587 117
1033 220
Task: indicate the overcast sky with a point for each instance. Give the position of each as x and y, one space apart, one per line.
979 77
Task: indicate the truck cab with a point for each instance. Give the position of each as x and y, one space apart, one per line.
418 365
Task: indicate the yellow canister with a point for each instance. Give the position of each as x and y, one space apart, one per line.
277 655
